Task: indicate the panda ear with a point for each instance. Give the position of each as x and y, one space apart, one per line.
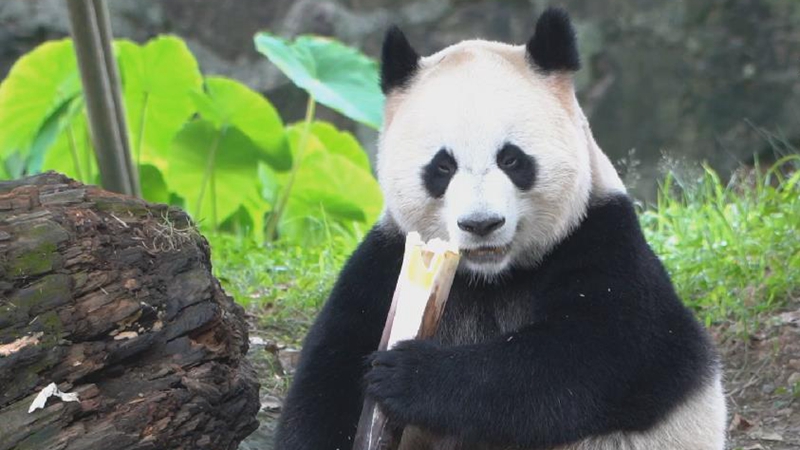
399 61
553 47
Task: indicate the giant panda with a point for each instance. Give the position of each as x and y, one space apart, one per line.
562 330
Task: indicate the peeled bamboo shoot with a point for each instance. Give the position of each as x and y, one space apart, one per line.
418 302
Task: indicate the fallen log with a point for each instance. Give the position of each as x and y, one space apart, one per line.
112 298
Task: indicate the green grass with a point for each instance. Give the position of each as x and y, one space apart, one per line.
282 285
733 250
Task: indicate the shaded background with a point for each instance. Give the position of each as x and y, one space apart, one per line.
664 82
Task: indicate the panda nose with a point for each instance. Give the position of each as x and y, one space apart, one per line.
481 225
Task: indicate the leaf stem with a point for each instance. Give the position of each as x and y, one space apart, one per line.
208 174
283 199
88 153
140 132
73 150
214 199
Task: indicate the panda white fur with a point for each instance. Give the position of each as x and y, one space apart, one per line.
562 330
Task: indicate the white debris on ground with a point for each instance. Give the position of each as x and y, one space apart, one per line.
49 391
257 340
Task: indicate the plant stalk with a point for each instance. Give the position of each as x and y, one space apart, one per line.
73 150
213 183
283 199
140 133
88 151
208 175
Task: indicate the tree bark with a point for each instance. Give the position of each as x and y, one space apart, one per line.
113 298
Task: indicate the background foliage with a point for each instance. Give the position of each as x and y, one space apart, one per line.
210 144
732 249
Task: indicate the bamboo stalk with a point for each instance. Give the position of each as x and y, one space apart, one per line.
106 41
417 305
98 90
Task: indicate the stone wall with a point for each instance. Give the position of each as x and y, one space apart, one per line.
692 80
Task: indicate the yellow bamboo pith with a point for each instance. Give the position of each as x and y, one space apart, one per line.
425 260
425 266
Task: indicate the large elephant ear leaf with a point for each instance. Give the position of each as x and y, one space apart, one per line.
229 103
341 143
52 127
39 84
154 187
332 187
214 169
72 153
158 79
338 76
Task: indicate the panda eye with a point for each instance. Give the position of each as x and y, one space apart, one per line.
444 168
436 175
509 163
518 166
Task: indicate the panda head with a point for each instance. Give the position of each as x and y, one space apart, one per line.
484 144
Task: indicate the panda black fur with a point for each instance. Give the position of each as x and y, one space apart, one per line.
575 342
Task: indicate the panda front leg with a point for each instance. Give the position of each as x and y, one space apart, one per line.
551 384
324 402
505 392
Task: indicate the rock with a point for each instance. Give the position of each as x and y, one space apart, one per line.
289 359
271 403
767 435
790 318
753 447
739 423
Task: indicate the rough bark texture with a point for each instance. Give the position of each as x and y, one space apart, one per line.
113 298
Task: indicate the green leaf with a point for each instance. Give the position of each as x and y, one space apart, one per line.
249 218
227 102
257 208
330 189
214 169
270 182
38 84
158 79
340 186
239 223
72 153
14 165
341 143
52 127
154 188
336 75
4 173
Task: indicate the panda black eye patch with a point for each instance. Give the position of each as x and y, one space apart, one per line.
517 165
436 175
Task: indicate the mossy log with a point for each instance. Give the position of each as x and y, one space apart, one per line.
112 298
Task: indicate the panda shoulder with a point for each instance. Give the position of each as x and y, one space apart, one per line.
376 259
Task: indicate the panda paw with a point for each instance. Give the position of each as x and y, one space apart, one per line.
398 379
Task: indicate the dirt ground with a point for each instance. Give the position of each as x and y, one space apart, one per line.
762 380
763 383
